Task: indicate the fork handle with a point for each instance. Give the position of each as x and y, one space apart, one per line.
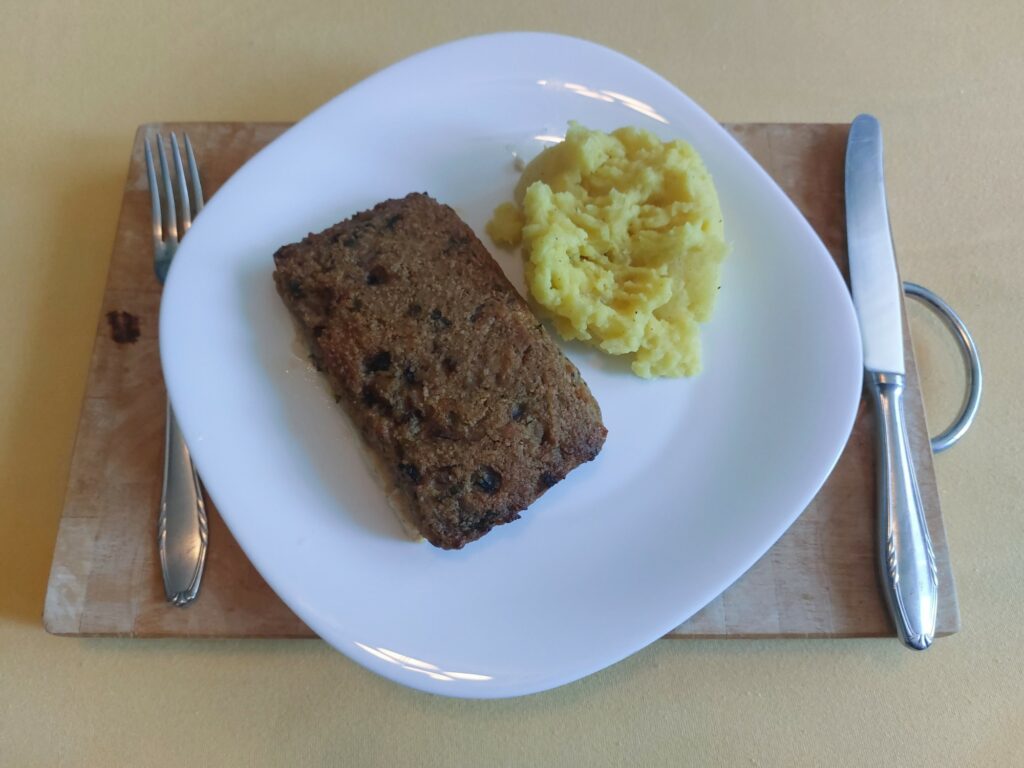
182 526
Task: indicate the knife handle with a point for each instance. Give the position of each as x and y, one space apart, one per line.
909 575
182 526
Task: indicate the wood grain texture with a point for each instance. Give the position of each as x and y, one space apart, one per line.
819 580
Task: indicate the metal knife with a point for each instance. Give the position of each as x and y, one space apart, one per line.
908 571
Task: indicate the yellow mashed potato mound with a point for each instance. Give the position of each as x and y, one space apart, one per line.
623 241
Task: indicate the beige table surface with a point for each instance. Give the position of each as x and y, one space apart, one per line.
947 81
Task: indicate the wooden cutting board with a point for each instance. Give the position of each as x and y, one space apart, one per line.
819 580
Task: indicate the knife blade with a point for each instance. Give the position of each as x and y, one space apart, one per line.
873 277
907 561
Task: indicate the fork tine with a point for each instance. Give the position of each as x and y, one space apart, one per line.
154 198
171 216
179 174
193 169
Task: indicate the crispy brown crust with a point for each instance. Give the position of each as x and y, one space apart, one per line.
440 364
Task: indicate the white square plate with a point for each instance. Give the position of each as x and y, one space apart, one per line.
698 477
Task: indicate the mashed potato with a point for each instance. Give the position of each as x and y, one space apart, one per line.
623 239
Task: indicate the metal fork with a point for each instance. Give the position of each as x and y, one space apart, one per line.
182 531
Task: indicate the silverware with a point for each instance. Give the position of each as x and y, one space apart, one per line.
182 526
907 561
